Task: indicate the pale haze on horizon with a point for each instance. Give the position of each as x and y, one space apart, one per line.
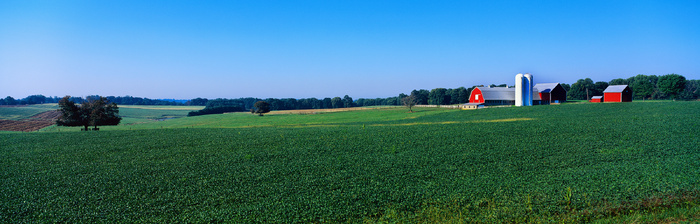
304 49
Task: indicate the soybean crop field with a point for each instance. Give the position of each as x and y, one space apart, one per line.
570 163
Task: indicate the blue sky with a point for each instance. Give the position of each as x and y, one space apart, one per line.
302 49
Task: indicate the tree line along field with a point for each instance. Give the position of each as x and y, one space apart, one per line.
625 162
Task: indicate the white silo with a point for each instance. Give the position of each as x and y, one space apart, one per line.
527 87
519 90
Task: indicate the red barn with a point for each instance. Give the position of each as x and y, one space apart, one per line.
617 93
493 96
550 93
596 99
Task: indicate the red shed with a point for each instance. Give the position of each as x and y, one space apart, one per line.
617 93
596 99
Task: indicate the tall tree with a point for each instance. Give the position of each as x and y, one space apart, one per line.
643 86
581 89
671 84
261 107
421 96
94 112
347 101
691 90
336 102
598 88
618 81
10 101
438 96
409 101
462 95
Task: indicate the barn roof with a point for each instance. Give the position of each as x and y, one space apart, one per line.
597 97
545 87
497 93
615 89
503 93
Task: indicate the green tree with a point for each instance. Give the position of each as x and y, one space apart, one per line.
643 86
566 87
671 84
581 89
462 95
691 90
598 88
409 101
438 96
421 96
261 107
618 81
337 102
93 112
347 101
10 101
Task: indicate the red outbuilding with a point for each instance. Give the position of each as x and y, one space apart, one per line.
550 93
596 99
617 93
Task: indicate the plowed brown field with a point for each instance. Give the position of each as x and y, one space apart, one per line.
34 123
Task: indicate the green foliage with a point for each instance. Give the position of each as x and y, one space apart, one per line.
581 89
438 96
92 112
219 106
261 107
671 84
565 163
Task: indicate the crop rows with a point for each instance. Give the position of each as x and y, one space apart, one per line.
559 160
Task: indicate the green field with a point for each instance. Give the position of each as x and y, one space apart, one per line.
625 162
24 112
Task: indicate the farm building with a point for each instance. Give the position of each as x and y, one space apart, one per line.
596 99
550 93
617 93
491 96
470 106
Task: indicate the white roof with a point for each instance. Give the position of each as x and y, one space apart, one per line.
597 97
503 93
615 89
545 87
497 93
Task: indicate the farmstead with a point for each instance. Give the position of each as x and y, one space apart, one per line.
524 94
617 93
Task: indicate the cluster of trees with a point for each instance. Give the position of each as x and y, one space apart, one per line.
279 104
671 86
33 99
437 96
93 111
123 100
219 106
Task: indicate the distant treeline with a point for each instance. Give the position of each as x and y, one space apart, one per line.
671 86
121 100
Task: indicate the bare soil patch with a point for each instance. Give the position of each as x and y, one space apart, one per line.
34 123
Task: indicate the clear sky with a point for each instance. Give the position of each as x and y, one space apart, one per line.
328 48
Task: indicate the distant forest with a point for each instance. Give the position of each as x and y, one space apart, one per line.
671 86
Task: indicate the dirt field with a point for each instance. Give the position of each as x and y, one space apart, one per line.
34 123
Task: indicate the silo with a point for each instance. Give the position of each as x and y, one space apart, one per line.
519 90
527 82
